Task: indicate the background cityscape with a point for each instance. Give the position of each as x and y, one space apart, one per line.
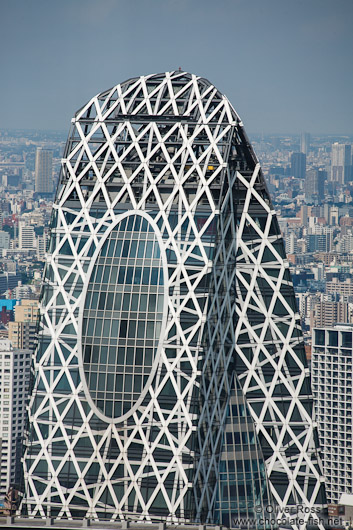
310 179
287 70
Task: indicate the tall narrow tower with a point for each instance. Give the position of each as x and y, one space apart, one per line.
305 143
341 163
44 171
170 377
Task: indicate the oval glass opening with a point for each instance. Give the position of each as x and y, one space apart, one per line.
122 316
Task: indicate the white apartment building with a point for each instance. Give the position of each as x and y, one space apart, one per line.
332 358
14 383
27 237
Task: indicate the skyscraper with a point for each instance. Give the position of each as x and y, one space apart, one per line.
305 143
298 165
315 185
170 377
44 171
341 163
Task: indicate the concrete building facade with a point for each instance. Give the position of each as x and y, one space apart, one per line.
14 386
332 357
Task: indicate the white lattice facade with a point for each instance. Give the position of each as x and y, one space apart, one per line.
166 294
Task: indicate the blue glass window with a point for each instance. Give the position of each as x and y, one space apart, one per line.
123 316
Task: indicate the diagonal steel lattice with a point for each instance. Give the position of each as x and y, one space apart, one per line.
170 148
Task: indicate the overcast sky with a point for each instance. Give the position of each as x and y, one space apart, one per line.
286 65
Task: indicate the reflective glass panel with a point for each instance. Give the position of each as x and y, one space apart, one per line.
119 336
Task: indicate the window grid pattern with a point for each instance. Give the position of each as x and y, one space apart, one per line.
122 316
332 368
243 490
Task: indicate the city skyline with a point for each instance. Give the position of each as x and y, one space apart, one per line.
285 65
121 257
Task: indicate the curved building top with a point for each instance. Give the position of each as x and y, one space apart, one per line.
169 94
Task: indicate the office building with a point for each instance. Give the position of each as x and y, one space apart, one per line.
318 242
332 357
8 280
298 165
14 384
4 240
315 186
170 352
44 171
344 289
27 237
305 143
341 163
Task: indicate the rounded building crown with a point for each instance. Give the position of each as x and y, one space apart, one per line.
170 94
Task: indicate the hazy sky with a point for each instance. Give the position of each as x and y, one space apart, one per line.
286 65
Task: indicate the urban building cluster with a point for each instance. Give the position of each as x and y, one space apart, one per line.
28 162
312 189
312 192
310 180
